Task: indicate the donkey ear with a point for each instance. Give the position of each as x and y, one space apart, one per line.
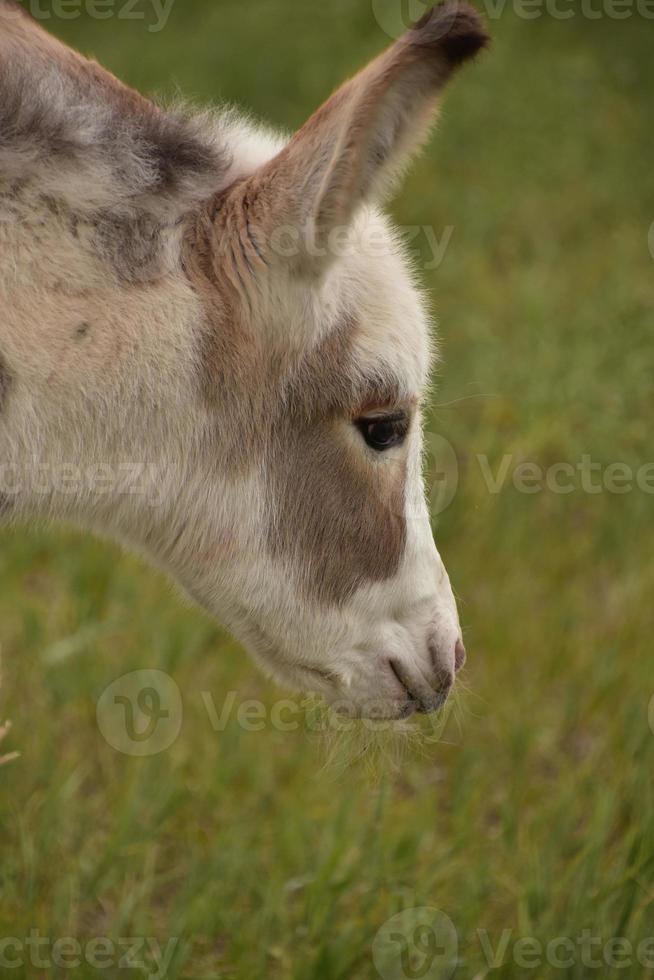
354 146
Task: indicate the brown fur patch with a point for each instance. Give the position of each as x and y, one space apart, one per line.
337 518
336 513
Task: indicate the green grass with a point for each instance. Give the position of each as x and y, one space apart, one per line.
534 812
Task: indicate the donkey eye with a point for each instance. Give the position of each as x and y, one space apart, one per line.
384 432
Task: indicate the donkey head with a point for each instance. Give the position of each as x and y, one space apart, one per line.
316 358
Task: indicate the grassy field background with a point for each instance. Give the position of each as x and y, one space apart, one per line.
534 813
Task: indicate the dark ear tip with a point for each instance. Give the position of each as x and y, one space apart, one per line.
455 28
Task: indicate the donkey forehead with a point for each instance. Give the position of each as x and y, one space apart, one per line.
357 336
366 311
376 281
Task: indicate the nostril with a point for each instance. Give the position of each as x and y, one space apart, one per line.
459 655
423 697
441 685
444 674
443 681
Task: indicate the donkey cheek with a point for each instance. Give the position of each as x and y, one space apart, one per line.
339 525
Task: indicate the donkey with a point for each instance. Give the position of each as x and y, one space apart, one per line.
203 357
